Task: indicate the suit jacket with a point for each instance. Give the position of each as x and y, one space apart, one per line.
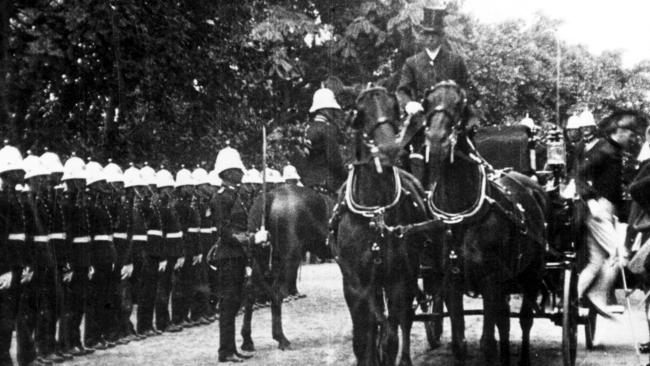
420 73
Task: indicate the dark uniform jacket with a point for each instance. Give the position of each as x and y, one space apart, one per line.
153 222
640 187
38 250
12 231
101 232
420 73
208 228
56 228
230 218
172 231
77 230
190 220
324 164
599 173
137 231
121 217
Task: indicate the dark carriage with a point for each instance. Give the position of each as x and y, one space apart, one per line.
509 148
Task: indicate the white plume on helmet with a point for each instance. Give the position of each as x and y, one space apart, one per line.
148 174
34 167
74 168
184 178
113 173
323 98
289 172
10 159
200 176
133 177
228 158
94 173
164 179
52 162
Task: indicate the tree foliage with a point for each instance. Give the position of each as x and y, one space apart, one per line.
171 82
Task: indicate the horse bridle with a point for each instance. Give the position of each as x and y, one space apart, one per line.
458 124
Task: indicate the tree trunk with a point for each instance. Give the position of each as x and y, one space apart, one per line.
5 122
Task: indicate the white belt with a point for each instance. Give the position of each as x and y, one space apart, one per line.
81 239
19 237
120 235
416 156
103 238
139 237
207 230
41 238
176 235
57 236
154 232
194 230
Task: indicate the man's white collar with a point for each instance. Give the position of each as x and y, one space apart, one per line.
433 53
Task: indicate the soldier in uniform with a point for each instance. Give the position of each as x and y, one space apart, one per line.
172 250
324 170
77 253
57 236
290 175
600 185
103 257
13 237
213 280
183 296
36 326
154 263
231 259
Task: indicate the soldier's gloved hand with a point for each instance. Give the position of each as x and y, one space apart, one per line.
249 271
67 276
5 280
197 259
180 262
162 266
412 108
127 271
241 237
91 272
261 236
26 275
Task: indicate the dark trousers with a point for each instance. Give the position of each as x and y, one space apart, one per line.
231 274
201 291
36 321
213 285
74 298
163 293
183 291
122 306
147 293
100 305
8 309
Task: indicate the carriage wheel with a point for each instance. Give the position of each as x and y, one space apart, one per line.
433 327
569 317
590 328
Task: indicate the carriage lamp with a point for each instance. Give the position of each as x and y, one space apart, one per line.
555 149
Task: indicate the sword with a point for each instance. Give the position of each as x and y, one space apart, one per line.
263 176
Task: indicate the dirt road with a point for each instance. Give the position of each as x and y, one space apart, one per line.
319 327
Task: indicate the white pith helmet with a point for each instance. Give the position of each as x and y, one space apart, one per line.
200 176
133 177
113 173
164 179
10 159
52 162
148 174
228 158
184 178
289 172
34 166
94 173
323 98
74 168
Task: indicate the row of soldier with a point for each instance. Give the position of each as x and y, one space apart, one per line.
81 240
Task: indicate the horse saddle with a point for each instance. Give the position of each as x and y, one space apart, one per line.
521 200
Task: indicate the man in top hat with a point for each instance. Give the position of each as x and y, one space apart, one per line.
323 169
600 176
436 63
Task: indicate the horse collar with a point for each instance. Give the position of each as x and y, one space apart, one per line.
370 211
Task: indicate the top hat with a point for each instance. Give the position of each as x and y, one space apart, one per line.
433 21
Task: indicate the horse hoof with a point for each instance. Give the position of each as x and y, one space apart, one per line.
284 345
248 346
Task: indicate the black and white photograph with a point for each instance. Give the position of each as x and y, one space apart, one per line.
324 182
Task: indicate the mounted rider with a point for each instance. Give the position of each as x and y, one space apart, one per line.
324 169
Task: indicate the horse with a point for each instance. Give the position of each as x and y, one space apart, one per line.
297 221
379 268
493 236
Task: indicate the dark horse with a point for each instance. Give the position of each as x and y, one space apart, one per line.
297 220
494 233
379 268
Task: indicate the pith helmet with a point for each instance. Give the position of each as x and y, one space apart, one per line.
113 173
213 176
94 173
164 179
289 172
74 168
133 177
228 158
273 176
52 162
252 176
10 159
573 122
200 176
148 174
587 119
184 178
34 166
528 122
323 98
